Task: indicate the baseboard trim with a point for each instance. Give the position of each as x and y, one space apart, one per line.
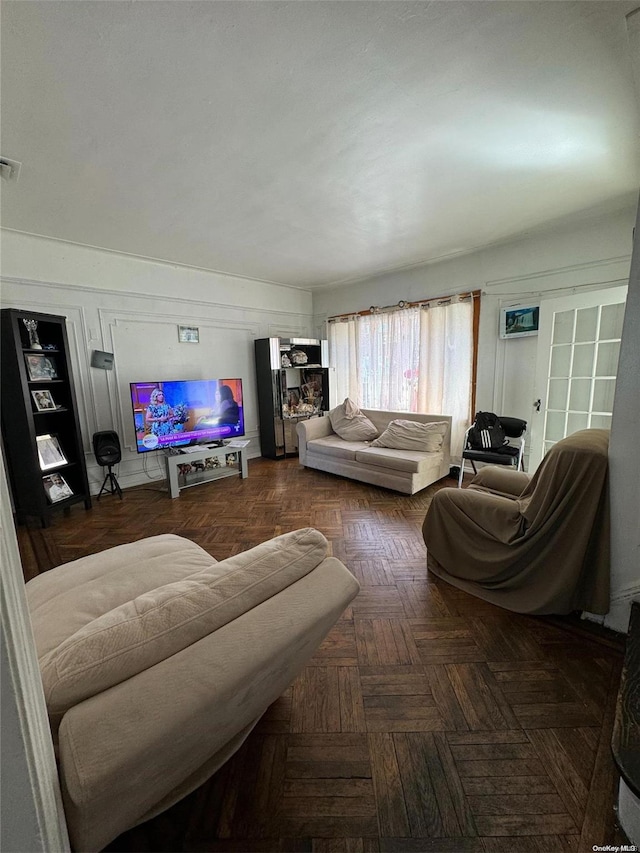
618 616
617 619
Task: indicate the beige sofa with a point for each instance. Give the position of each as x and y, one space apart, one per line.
406 471
157 661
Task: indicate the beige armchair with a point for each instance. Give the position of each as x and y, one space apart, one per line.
536 545
157 661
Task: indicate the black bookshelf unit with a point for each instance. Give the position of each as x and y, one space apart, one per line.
40 425
293 385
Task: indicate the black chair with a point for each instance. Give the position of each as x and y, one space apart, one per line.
510 454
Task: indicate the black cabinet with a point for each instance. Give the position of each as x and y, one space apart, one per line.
40 426
293 384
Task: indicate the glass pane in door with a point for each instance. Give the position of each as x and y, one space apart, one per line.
555 426
607 364
611 322
563 327
600 421
558 391
603 391
582 368
580 396
586 323
576 421
560 360
583 359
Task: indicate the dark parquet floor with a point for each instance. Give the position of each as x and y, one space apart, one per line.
427 721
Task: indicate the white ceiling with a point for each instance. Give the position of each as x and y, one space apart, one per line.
313 142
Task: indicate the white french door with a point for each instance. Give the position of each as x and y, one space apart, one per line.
576 366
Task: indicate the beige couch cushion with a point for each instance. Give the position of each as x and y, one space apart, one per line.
161 622
408 461
336 447
350 423
411 435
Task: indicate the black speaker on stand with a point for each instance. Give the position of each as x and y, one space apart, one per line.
106 446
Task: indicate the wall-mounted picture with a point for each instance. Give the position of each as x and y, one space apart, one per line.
57 488
50 453
188 334
519 321
41 367
44 401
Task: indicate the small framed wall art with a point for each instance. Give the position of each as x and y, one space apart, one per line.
519 321
188 334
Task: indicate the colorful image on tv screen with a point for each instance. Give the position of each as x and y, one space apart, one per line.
174 414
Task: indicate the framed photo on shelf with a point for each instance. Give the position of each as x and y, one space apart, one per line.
44 401
41 367
50 453
293 397
57 488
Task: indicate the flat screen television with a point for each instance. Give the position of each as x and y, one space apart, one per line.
176 414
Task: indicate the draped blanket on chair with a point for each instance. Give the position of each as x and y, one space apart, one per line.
536 545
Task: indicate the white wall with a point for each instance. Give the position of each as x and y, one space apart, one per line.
623 459
132 307
548 264
541 265
32 814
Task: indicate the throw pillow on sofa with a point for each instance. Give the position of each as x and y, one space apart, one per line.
350 423
411 435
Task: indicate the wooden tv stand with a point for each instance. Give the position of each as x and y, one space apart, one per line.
173 460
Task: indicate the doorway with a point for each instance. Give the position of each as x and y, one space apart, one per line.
576 366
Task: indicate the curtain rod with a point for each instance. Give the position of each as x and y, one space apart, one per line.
398 306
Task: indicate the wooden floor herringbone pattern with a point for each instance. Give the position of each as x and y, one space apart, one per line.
428 720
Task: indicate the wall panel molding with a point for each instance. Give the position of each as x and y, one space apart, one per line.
161 262
135 294
277 330
95 320
110 320
603 272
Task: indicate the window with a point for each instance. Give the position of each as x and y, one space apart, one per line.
416 359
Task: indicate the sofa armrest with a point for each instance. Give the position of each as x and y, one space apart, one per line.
141 741
500 481
471 519
308 430
160 623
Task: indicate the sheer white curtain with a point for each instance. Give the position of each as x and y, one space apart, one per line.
388 354
410 360
446 365
343 356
